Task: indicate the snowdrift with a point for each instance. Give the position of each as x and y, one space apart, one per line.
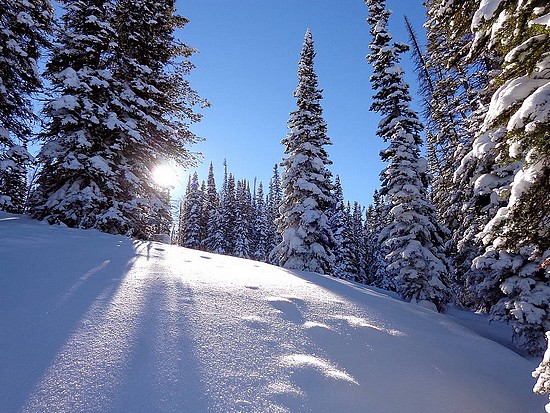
97 323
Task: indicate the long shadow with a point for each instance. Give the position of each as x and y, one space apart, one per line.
162 373
51 281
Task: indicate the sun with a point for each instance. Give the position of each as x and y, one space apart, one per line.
165 176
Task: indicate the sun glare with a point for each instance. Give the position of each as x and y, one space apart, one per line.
166 176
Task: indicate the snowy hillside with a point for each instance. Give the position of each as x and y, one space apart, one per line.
96 323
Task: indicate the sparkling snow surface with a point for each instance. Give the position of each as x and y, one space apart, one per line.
96 323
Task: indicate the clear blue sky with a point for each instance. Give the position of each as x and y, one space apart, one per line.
247 68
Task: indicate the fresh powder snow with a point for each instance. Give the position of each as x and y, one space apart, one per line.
92 322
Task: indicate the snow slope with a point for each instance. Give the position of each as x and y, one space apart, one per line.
96 323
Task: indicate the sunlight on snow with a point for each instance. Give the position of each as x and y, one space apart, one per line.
89 367
324 366
362 322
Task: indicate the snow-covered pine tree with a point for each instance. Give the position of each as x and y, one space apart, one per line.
338 220
25 26
204 214
307 239
77 184
155 103
211 202
229 209
375 252
455 95
358 243
241 231
261 227
349 255
217 232
215 241
450 96
517 239
274 198
414 238
542 374
191 215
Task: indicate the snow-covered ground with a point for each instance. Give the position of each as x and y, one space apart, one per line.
96 323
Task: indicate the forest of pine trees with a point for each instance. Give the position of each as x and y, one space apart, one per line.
467 224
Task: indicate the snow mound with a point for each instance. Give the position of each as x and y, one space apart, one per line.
99 323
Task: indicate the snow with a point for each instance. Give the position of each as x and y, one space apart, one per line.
543 373
543 20
534 110
98 323
485 12
68 102
513 92
100 164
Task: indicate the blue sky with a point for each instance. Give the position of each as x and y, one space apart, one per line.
247 68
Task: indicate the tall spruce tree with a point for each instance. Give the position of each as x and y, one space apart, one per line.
122 106
156 101
77 182
348 254
274 198
24 30
307 242
211 205
465 177
242 230
414 238
375 252
358 243
191 212
229 209
261 227
338 220
517 239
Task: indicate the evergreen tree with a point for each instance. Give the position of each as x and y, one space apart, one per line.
375 252
204 214
215 241
348 256
211 205
467 176
156 100
229 210
307 239
414 238
274 199
338 221
122 107
161 218
358 243
241 231
487 180
261 227
24 30
451 96
77 184
517 239
191 215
